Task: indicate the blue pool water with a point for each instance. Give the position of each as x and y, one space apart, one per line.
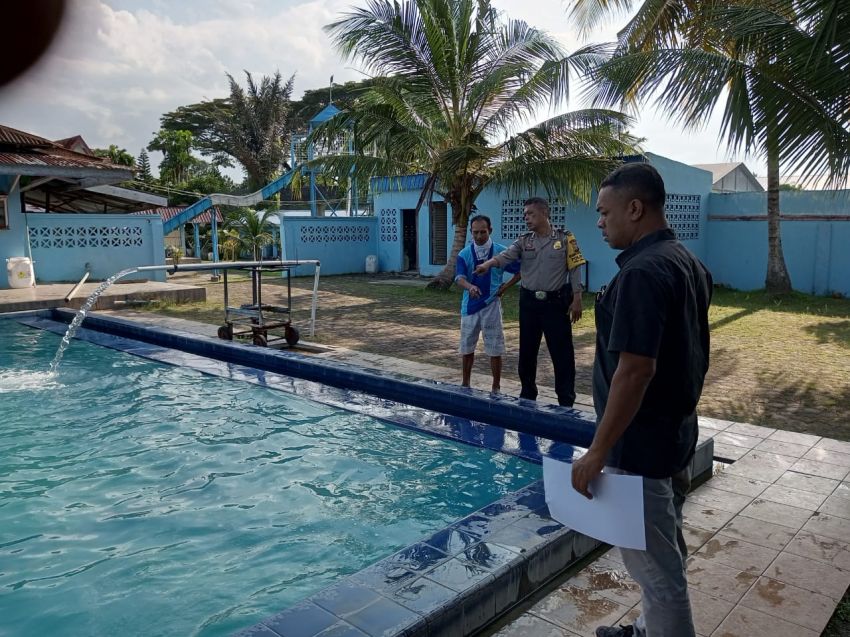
144 499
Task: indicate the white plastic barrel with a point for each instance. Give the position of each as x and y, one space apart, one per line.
371 264
19 270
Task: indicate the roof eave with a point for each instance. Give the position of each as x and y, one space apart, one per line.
93 176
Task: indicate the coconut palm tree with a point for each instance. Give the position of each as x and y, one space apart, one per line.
779 69
453 82
254 126
248 229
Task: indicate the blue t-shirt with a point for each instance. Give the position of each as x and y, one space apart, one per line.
488 283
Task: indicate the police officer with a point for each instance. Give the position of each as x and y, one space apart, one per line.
549 300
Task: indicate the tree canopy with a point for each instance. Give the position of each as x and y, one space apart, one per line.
453 81
778 69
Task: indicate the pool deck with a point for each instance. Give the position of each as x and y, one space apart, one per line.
769 534
49 295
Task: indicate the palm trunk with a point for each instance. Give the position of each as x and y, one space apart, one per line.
446 277
461 203
777 281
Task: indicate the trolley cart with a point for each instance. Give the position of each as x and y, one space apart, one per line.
255 318
263 323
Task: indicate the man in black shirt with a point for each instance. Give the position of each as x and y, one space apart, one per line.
652 349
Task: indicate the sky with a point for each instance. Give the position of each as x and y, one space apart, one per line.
118 65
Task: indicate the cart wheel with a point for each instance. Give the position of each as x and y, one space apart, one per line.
225 332
260 339
291 335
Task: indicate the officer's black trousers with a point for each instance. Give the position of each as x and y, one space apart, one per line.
549 318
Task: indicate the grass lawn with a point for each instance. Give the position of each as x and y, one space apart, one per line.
778 363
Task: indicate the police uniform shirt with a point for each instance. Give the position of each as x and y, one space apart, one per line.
543 261
655 306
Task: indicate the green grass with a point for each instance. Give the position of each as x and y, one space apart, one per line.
781 363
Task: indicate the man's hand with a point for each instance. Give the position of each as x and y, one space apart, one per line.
575 308
484 267
474 291
585 469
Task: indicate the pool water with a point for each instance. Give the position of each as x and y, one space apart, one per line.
138 498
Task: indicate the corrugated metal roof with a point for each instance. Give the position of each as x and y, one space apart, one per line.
20 138
32 150
58 158
173 211
401 183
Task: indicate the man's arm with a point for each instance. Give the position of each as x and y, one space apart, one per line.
474 290
508 255
575 304
461 272
631 378
508 284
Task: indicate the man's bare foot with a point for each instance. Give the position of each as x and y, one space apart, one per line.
496 389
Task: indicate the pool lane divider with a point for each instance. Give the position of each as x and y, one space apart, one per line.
456 581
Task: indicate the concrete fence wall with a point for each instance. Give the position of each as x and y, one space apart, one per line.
815 234
340 243
62 245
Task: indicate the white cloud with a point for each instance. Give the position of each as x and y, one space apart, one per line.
120 64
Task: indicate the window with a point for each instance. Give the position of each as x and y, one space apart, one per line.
4 213
439 233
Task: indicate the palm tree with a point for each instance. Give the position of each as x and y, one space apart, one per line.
783 67
453 82
116 155
248 229
254 128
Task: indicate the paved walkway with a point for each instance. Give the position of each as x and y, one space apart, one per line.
769 534
49 295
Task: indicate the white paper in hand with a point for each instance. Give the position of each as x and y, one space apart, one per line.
614 515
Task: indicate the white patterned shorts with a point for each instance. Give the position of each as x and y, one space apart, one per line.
487 321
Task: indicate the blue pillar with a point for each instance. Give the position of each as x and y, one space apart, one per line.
197 240
214 240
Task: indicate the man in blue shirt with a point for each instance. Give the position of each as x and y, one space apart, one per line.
481 308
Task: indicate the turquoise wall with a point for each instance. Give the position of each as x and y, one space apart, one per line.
815 231
13 240
388 207
341 244
62 244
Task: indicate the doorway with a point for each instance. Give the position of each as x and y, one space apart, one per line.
409 242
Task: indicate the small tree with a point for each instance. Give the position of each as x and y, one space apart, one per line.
115 155
251 229
143 167
177 160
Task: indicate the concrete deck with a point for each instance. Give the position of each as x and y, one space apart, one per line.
51 295
769 534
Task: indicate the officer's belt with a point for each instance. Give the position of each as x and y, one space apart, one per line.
547 295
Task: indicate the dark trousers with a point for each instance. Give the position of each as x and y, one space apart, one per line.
549 318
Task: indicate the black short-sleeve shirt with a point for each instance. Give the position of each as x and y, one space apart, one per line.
656 306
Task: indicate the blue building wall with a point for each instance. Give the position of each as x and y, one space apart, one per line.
504 208
13 240
341 244
815 231
62 244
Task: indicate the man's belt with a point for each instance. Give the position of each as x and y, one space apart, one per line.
544 295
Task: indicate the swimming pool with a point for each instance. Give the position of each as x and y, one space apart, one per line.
141 498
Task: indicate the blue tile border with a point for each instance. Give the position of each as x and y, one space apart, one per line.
452 582
552 422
